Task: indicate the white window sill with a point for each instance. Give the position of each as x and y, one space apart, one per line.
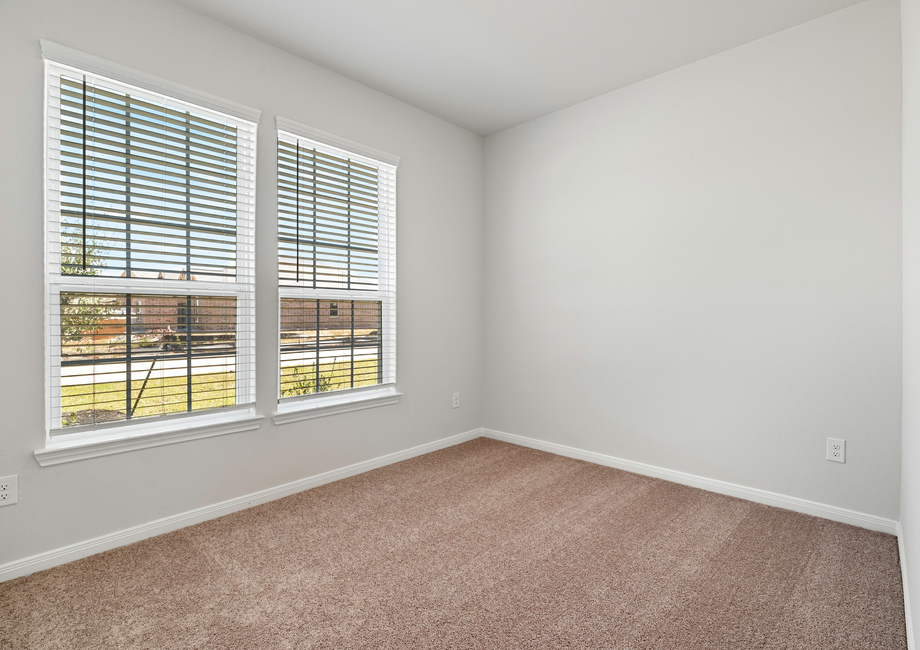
92 444
321 405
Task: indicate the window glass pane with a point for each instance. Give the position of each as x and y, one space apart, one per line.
327 220
147 190
129 356
329 345
146 193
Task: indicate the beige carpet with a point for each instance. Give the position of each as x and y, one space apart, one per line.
482 545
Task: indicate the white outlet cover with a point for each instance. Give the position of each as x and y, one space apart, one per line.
837 450
9 490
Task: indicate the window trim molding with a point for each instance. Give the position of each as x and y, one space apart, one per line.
317 406
62 446
68 56
304 407
332 140
64 449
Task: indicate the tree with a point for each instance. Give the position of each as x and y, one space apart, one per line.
81 313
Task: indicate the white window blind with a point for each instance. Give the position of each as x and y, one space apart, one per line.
336 264
150 255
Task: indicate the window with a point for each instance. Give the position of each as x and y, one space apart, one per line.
336 271
150 274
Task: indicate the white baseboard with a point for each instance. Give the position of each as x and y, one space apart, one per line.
907 615
722 487
53 558
65 554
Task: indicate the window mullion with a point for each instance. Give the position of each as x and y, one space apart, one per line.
380 340
188 351
128 185
84 175
328 294
188 199
129 411
90 284
351 364
317 347
348 218
313 216
297 211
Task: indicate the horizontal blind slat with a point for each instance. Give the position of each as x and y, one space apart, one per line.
146 188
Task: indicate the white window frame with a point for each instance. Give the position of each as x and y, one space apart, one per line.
303 407
61 446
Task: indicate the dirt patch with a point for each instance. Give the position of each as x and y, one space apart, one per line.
92 416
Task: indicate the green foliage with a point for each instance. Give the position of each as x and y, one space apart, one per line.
302 380
81 314
309 382
72 257
95 403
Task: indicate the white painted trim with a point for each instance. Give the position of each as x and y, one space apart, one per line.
332 140
902 553
796 504
325 405
68 56
49 559
66 449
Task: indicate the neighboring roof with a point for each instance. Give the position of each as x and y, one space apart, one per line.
154 275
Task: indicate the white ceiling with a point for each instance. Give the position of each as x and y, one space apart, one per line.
487 65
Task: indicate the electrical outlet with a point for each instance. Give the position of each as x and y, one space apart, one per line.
9 492
837 450
456 400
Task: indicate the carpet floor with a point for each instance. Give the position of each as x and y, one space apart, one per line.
481 545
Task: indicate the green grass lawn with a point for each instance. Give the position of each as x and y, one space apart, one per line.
92 403
95 403
303 380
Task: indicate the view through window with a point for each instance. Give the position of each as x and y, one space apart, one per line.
150 253
336 268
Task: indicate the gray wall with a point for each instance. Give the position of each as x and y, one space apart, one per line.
910 432
702 271
439 272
